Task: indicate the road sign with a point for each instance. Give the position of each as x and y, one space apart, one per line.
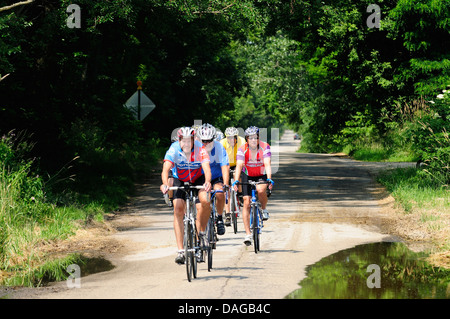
140 105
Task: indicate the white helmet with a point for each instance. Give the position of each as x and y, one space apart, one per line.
186 131
219 136
252 130
206 132
231 131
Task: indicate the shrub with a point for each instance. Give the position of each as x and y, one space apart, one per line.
431 140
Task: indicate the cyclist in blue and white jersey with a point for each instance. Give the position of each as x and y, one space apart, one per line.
220 167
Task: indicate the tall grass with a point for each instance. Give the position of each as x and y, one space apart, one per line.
414 189
27 222
377 152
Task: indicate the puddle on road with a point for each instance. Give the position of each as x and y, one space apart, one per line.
403 274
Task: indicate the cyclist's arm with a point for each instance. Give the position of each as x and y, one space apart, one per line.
167 166
268 167
207 172
226 174
238 170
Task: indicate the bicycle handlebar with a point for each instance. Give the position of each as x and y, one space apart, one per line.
174 188
253 182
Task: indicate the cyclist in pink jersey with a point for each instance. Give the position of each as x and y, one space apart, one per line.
191 161
253 161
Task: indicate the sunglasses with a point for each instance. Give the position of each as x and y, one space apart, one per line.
253 138
206 141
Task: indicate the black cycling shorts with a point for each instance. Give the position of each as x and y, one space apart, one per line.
247 189
180 193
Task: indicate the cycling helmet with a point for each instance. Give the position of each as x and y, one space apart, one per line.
252 130
185 131
219 136
196 127
231 131
206 132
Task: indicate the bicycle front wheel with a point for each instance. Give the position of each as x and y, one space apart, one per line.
255 228
194 242
188 249
234 209
211 240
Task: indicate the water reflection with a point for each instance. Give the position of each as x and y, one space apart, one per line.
403 275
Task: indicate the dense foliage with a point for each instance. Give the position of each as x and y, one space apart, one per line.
372 86
320 67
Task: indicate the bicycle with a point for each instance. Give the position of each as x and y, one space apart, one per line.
256 218
190 230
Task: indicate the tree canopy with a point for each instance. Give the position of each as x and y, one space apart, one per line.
316 66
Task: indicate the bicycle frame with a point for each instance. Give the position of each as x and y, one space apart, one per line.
256 220
190 230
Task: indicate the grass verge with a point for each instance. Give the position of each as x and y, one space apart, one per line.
426 203
375 152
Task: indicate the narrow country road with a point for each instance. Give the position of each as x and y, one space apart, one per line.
321 204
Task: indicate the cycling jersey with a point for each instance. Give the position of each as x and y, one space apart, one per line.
218 157
187 170
254 167
232 151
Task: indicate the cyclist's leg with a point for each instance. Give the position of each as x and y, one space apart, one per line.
203 210
227 205
203 207
220 203
246 214
217 185
247 193
262 194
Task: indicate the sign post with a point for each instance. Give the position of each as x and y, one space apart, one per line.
139 103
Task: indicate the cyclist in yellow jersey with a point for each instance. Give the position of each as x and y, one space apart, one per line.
232 142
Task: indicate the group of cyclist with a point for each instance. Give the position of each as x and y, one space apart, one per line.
203 156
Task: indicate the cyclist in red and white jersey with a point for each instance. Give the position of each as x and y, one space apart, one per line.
191 161
253 160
